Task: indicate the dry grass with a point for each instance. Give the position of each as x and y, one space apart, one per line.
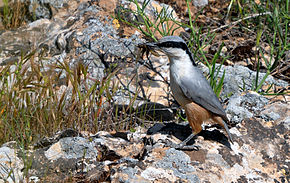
34 103
13 13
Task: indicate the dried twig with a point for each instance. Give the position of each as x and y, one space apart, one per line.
107 67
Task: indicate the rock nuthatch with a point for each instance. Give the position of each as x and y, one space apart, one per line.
189 87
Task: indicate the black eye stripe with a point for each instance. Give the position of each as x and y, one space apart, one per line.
173 44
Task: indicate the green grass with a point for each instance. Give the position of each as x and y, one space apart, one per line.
271 29
32 107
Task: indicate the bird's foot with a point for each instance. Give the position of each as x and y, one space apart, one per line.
182 146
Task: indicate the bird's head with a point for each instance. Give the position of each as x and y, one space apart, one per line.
172 46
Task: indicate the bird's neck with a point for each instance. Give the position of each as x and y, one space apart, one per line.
181 58
180 67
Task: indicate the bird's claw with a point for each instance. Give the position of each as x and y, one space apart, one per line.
188 147
181 146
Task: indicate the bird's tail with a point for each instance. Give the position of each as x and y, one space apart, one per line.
228 131
222 122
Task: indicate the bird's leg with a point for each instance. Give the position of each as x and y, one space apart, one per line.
195 115
183 146
183 143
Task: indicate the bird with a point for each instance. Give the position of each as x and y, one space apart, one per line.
189 86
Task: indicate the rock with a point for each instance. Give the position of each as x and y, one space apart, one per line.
121 145
71 147
44 8
175 166
26 37
11 165
239 78
200 3
40 10
259 153
180 163
276 111
47 141
245 106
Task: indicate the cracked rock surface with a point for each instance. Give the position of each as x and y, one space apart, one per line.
260 153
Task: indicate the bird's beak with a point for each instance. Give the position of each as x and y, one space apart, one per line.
150 47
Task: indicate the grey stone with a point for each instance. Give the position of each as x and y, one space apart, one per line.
150 10
131 172
71 147
287 123
239 78
270 116
246 106
154 174
10 166
180 163
94 52
55 3
43 8
39 11
200 3
276 111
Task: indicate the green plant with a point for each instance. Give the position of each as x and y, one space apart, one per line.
13 13
162 23
214 72
271 30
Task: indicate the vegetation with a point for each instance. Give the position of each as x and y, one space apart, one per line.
271 29
266 20
31 105
12 14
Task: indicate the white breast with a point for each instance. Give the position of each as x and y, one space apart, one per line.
180 68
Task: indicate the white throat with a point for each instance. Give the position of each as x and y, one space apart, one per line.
180 59
180 66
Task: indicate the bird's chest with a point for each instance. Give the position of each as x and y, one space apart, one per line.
177 72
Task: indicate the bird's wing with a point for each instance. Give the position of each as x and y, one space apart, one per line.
200 92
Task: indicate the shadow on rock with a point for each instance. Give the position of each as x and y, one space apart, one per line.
181 132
